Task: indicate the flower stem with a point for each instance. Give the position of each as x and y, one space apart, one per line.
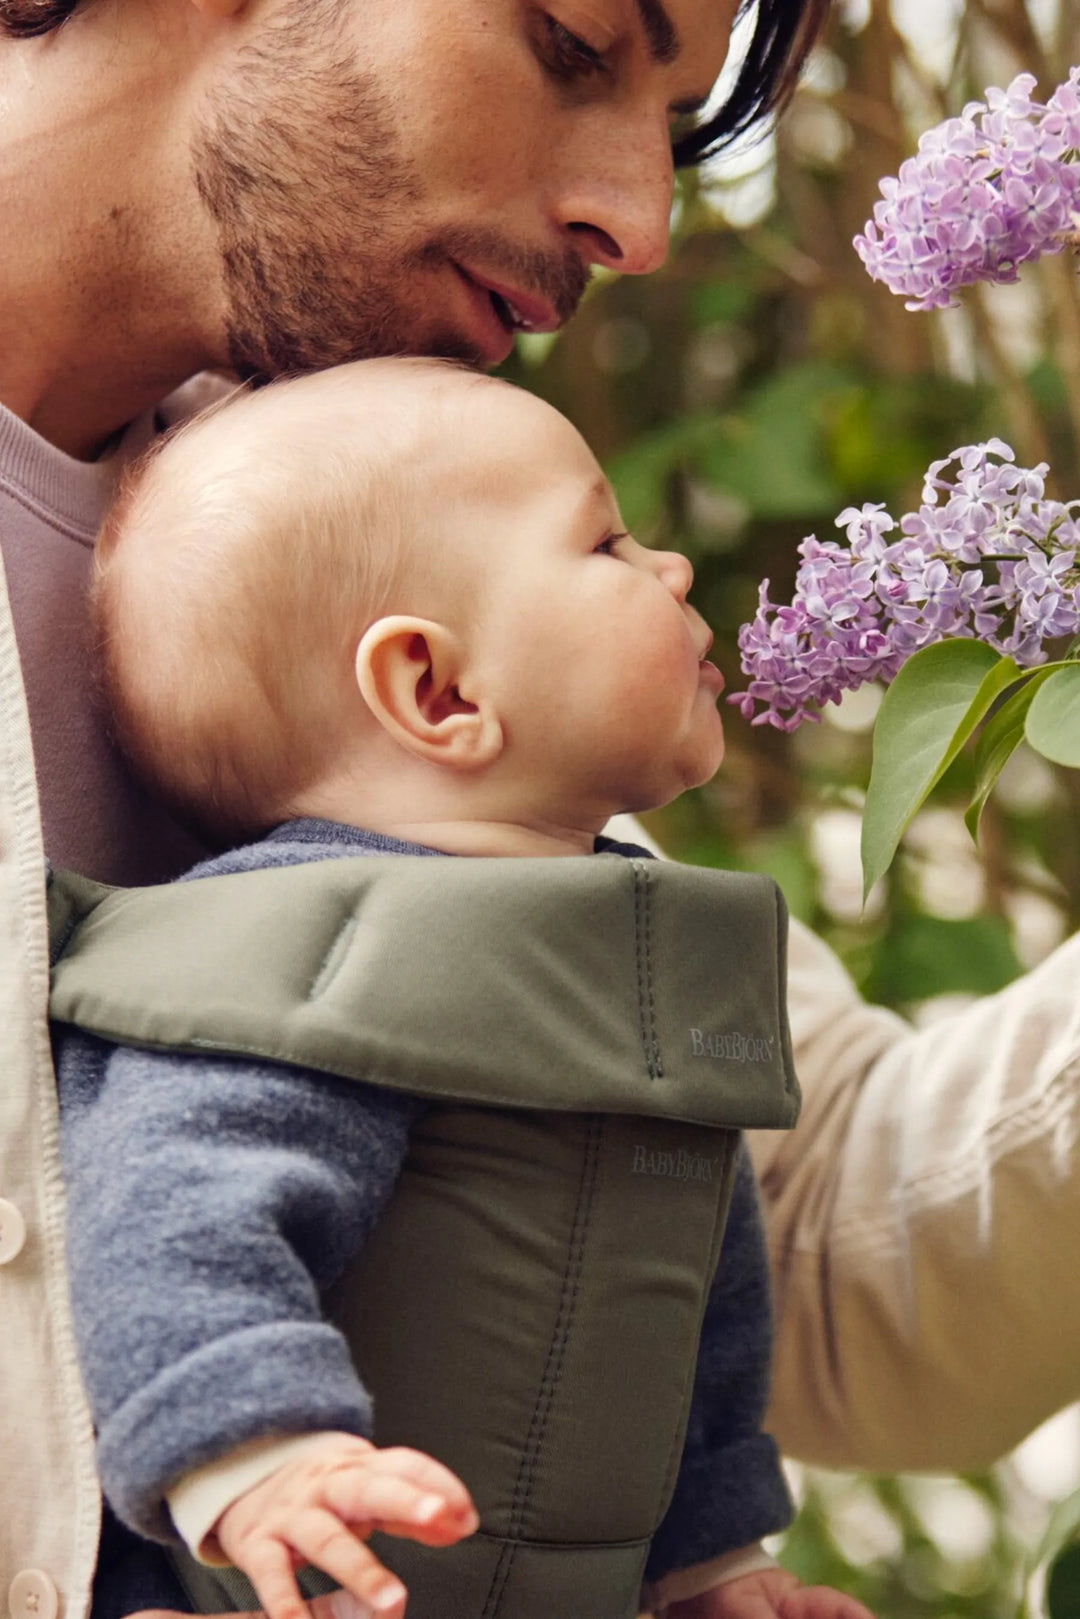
1060 277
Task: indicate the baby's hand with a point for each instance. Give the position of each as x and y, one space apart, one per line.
320 1507
769 1594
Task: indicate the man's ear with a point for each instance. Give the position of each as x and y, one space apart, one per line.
411 673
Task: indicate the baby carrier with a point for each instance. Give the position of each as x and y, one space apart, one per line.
590 1036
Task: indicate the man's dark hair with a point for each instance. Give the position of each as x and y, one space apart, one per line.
25 17
784 31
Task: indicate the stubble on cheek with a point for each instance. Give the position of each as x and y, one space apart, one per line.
298 166
319 215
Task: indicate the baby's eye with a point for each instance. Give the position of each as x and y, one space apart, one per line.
607 547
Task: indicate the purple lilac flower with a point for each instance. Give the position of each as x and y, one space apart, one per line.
987 556
984 194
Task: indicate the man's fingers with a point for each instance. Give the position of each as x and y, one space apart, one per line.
331 1605
174 1613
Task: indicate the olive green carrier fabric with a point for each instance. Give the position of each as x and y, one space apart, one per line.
590 1035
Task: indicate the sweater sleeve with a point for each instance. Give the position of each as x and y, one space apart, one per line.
210 1203
730 1490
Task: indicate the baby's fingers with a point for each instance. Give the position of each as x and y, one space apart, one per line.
425 1472
321 1538
396 1505
268 1564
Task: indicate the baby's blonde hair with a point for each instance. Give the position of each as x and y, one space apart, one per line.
237 569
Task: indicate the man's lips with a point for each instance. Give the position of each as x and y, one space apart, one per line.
500 311
523 311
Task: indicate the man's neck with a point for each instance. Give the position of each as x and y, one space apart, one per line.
97 316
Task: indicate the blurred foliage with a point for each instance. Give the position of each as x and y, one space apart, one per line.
740 398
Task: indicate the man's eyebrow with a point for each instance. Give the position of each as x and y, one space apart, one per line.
659 31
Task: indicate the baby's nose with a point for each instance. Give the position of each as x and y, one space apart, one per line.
676 572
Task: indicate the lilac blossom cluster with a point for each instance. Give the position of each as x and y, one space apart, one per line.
985 193
987 556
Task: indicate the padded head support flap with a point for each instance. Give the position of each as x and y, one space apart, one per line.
631 986
528 1308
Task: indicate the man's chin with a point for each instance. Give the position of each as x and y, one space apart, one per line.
451 346
257 359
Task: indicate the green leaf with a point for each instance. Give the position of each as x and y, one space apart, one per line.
1058 1548
927 715
770 453
998 739
1053 720
721 302
921 956
1062 1528
1063 1585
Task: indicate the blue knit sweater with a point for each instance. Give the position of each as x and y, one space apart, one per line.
212 1201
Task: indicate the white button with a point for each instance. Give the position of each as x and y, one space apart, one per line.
12 1231
32 1595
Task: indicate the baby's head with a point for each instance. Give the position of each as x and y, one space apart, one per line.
396 593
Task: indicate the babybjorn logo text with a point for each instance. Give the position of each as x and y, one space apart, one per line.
676 1166
734 1047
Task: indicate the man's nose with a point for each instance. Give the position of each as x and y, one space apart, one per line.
616 205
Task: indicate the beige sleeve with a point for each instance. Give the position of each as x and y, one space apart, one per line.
684 1583
197 1500
922 1221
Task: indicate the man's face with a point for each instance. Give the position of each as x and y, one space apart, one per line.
430 176
582 639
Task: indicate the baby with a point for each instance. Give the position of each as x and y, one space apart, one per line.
386 609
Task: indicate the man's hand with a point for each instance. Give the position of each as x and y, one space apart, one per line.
334 1605
769 1594
321 1506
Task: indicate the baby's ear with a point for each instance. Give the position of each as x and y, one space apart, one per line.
412 676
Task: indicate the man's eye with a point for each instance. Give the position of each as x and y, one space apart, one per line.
569 57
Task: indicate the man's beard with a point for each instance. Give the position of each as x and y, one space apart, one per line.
299 166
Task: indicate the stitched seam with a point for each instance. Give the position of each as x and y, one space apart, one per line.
563 1545
56 520
61 942
643 952
549 1382
679 1440
1013 1132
